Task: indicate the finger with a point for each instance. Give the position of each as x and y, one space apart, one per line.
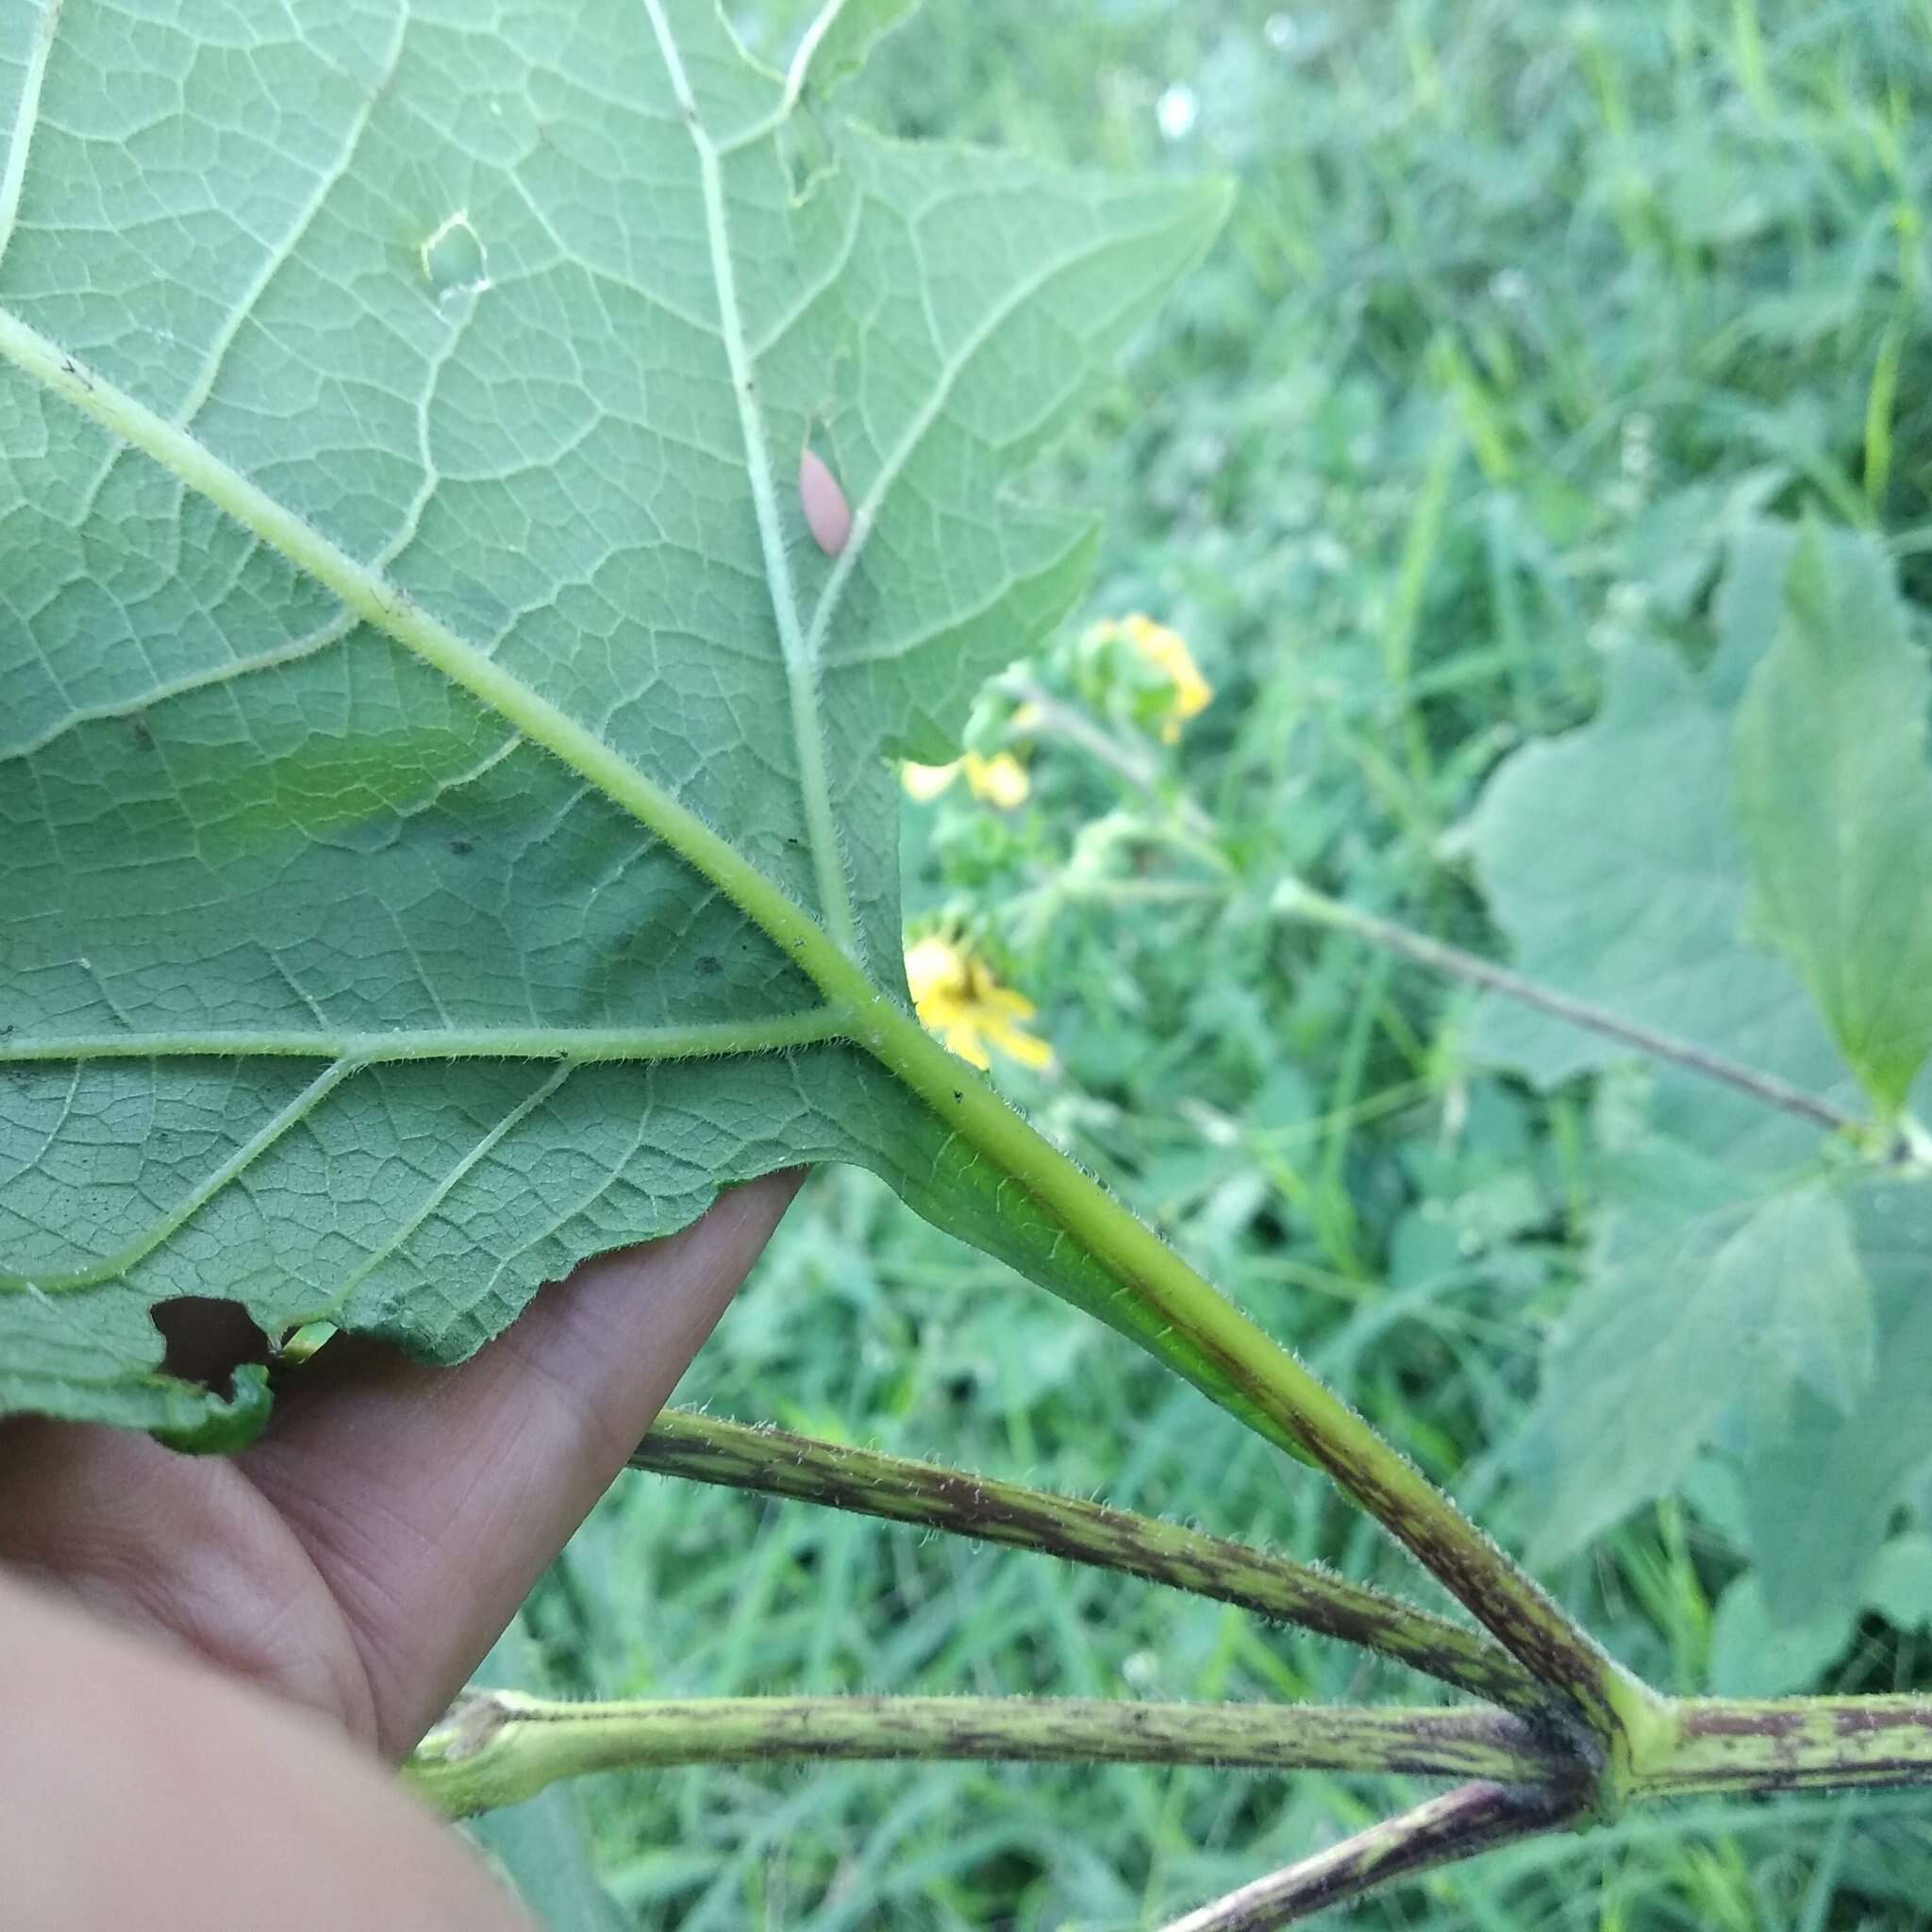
143 1788
430 1499
181 1548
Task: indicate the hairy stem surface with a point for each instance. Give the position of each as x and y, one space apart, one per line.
1791 1745
1459 1824
775 1462
499 1747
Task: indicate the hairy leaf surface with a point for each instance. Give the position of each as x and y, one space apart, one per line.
467 353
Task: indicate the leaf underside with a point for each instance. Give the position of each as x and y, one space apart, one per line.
322 988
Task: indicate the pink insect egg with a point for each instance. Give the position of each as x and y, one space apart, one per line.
827 515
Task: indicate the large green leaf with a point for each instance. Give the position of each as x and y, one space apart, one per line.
1730 1297
1705 1303
1612 860
397 732
1820 1492
1837 808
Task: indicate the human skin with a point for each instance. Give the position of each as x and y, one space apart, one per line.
207 1664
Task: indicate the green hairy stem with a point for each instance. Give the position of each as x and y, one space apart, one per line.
1791 1745
776 1462
498 1747
1473 1817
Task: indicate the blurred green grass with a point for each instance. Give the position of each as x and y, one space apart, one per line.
1522 309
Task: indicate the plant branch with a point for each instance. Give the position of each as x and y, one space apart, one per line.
1474 1818
1135 763
776 1462
1791 1745
1294 900
499 1747
1168 1308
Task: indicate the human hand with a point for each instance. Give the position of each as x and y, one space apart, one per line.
357 1560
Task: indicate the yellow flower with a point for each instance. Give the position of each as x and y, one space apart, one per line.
958 999
1167 652
924 782
1001 780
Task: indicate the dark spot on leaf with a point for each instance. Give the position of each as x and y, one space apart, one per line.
142 732
959 1093
709 965
461 847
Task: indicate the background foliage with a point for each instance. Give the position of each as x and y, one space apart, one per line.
1537 333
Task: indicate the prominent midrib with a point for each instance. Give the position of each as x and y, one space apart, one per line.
585 1045
26 119
801 671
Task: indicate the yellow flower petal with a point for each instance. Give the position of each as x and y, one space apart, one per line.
935 967
924 782
961 1002
1000 780
1167 652
1003 999
962 1038
1021 1046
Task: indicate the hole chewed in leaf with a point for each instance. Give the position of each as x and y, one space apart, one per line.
207 1340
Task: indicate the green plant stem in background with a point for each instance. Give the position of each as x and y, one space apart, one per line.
775 1462
1304 491
499 1747
1294 900
1133 763
1160 1301
1473 1817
